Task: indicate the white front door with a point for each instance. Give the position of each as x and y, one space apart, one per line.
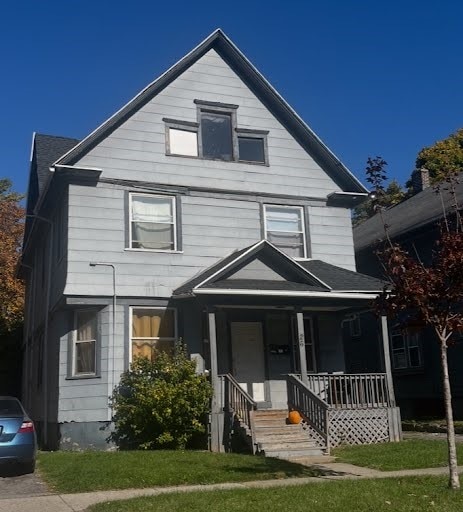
248 357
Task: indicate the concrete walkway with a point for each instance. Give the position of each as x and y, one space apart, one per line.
79 502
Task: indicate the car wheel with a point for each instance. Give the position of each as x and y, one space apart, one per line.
28 467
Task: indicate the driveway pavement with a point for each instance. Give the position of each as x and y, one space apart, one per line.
23 486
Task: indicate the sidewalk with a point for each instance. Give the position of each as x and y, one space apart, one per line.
81 501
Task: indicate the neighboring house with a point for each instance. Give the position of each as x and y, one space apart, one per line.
207 210
415 224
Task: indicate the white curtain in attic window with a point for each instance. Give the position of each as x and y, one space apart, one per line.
152 209
183 142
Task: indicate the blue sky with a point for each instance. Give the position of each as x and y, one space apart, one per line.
370 78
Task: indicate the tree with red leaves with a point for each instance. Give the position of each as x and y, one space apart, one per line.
430 296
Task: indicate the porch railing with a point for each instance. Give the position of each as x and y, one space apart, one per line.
351 390
313 408
240 403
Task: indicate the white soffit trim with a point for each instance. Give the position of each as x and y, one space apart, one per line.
277 293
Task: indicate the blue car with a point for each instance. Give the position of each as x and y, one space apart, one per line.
18 440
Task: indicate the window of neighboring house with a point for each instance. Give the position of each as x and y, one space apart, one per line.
152 222
84 343
153 330
285 228
355 326
406 350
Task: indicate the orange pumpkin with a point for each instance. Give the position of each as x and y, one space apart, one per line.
294 418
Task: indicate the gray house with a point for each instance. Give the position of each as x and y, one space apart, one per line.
204 209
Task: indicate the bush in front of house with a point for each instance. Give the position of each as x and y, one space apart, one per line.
160 404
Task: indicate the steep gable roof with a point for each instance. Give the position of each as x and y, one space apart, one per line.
420 210
260 87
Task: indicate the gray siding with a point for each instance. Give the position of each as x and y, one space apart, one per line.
136 150
331 236
211 229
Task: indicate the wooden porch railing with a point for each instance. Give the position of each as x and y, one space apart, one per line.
351 390
313 408
240 403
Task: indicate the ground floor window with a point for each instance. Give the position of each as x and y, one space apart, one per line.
84 343
153 330
406 350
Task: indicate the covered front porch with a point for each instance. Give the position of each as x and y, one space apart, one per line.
275 339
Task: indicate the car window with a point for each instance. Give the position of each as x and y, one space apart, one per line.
10 407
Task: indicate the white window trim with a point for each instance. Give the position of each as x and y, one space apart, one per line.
304 237
74 345
173 200
164 308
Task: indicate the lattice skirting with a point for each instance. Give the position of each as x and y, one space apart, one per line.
314 435
358 426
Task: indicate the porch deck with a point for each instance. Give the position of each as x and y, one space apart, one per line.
336 408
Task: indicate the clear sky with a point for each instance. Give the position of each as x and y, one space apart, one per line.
369 77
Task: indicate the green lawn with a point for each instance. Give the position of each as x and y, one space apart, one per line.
392 495
93 471
410 454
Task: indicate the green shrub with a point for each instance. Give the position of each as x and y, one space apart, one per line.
161 403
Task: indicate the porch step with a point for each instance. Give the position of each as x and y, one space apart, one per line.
292 452
277 438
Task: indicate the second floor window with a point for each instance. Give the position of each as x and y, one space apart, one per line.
152 222
285 228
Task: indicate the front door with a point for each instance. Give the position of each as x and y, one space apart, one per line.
248 357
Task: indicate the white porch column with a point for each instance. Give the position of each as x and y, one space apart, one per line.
216 444
387 359
301 342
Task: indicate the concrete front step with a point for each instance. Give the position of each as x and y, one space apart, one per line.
280 445
291 453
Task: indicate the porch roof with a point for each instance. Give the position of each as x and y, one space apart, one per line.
287 276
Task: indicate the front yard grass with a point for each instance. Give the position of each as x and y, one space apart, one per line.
70 472
409 454
398 495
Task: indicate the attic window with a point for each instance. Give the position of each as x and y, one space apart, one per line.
181 138
216 136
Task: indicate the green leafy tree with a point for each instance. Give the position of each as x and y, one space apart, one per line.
161 403
443 159
384 197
